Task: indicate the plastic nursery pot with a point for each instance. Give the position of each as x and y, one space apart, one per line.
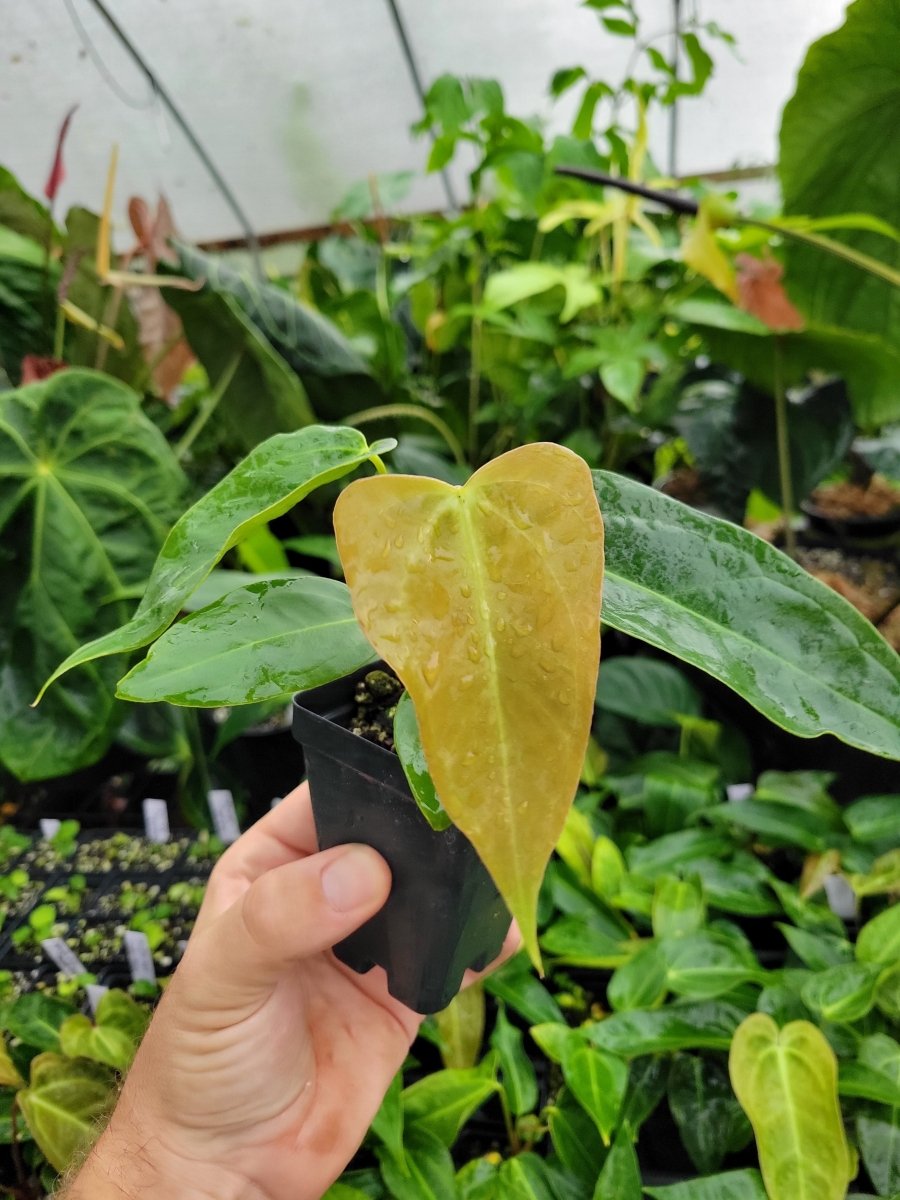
444 913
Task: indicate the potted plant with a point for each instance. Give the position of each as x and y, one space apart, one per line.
485 600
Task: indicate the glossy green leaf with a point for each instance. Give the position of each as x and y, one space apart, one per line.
705 965
575 1138
258 643
557 1039
639 983
883 876
575 845
819 951
524 1177
221 582
485 601
875 1074
620 1178
9 1073
63 1105
517 1074
792 647
847 97
786 1082
608 869
739 886
665 855
426 1172
776 824
678 907
807 790
709 1119
874 819
269 481
36 1018
579 943
87 488
597 1080
387 1124
879 1145
844 993
645 689
524 280
342 1191
460 1028
117 1010
879 939
707 1026
80 1038
442 1102
516 984
647 1079
408 745
731 1185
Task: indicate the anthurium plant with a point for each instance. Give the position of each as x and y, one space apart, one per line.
485 599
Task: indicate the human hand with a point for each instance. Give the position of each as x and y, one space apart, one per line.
267 1058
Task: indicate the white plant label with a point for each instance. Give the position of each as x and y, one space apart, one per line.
64 957
274 802
221 805
49 827
156 820
841 897
736 792
95 993
140 958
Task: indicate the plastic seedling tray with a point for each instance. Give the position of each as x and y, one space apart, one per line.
444 914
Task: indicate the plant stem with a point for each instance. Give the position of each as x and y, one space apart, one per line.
515 1143
418 414
59 334
207 408
785 480
475 368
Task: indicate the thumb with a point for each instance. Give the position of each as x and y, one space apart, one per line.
289 913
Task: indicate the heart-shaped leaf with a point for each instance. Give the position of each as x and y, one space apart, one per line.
786 1082
64 1103
484 599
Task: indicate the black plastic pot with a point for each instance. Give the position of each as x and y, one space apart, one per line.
444 913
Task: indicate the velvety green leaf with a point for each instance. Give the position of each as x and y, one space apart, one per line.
257 643
667 854
575 1138
678 907
847 97
709 1119
516 984
87 487
786 1082
807 790
117 1010
477 1179
647 1080
608 868
9 1074
736 887
879 939
578 943
387 1124
516 1071
524 1177
791 646
620 1178
408 745
557 1039
844 993
809 915
36 1018
875 1075
883 876
640 982
874 819
776 824
819 951
63 1105
269 481
442 1102
597 1080
645 689
878 1133
575 845
731 1185
678 1027
428 1173
702 965
80 1038
460 1027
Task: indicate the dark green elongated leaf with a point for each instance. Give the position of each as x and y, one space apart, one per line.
477 1180
63 1105
731 1185
874 819
575 1138
646 689
36 1019
620 1178
819 951
879 939
782 1001
516 1071
269 481
817 918
734 887
579 943
879 1145
597 1080
517 985
260 394
408 745
709 1119
678 1027
87 488
257 643
702 966
678 907
669 853
793 648
428 1173
460 1028
557 1039
388 1121
524 1177
777 824
847 97
844 993
442 1102
647 1079
640 982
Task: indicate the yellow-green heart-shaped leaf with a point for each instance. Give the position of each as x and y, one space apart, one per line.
786 1082
485 600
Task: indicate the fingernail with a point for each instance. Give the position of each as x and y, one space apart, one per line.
354 879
